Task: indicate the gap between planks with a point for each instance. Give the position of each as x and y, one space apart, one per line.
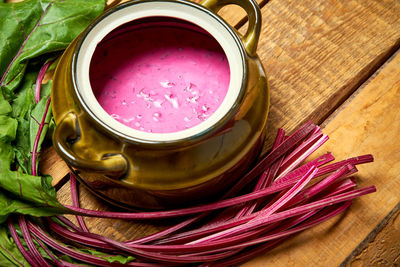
370 242
371 71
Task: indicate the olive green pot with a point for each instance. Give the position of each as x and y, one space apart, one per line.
157 173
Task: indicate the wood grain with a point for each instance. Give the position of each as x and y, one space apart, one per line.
369 123
316 53
381 246
52 164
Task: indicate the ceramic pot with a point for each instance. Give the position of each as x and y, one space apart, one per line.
134 169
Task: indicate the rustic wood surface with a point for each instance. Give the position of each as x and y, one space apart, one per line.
381 246
335 63
368 123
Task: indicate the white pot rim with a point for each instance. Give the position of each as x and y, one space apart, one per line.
181 10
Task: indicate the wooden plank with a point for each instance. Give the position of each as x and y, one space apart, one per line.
233 14
382 245
53 165
369 123
316 53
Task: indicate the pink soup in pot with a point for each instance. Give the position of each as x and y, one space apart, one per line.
160 77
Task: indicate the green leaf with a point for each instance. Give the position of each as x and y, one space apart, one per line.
51 129
30 32
8 128
22 146
6 156
10 204
22 107
36 189
24 193
29 116
5 107
24 99
36 27
37 116
110 258
9 253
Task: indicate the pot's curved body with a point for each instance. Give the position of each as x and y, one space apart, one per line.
131 172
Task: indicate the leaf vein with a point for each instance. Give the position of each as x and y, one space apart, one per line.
11 255
65 19
19 184
41 44
18 20
23 45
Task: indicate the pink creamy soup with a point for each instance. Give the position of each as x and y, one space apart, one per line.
160 78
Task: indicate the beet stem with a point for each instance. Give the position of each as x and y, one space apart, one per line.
39 79
27 255
29 242
75 201
37 139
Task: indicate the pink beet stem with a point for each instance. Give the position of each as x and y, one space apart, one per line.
37 139
275 206
39 79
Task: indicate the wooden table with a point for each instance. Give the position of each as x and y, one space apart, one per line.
336 63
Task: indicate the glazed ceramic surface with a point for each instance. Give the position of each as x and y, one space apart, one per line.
130 168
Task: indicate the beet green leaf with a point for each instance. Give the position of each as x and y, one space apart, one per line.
9 253
33 28
31 32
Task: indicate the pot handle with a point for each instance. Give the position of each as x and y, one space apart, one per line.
250 39
114 165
